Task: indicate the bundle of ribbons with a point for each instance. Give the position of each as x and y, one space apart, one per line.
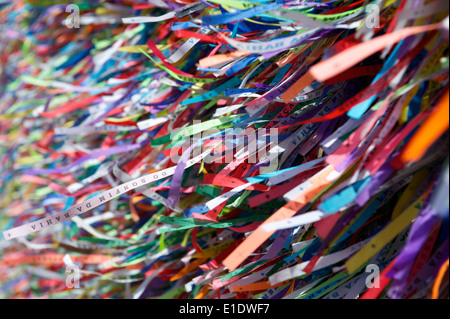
224 149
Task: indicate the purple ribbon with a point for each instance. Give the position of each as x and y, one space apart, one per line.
430 270
95 154
277 245
175 185
377 180
419 233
